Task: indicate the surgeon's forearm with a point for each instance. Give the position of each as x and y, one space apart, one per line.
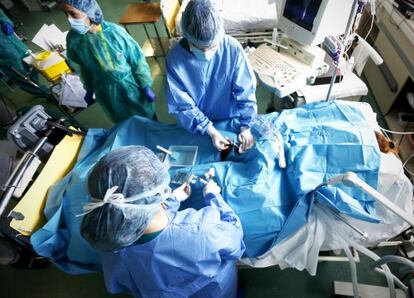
143 74
172 203
86 80
137 61
244 90
248 111
217 202
83 73
193 120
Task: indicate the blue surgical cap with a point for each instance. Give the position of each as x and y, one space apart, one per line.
89 7
139 182
201 25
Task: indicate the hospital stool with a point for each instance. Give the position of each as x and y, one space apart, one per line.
144 14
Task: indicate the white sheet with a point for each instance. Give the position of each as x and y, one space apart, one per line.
322 231
242 15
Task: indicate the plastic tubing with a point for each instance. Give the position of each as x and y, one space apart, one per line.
392 259
395 279
373 256
354 276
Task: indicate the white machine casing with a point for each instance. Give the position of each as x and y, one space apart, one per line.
281 72
331 19
311 55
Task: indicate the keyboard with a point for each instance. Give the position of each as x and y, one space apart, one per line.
266 61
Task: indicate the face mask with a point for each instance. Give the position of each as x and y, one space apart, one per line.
206 56
79 25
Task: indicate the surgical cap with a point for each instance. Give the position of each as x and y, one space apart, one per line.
201 25
89 7
138 180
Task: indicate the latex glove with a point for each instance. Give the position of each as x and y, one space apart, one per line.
149 94
7 28
246 139
89 97
211 187
183 192
218 140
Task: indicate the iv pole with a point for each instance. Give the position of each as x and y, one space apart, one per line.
345 41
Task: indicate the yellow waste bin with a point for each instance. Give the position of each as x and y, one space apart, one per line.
51 65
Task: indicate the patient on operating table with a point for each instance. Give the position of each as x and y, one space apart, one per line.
385 145
320 141
148 247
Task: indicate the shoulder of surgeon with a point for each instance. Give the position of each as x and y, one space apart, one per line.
228 44
107 27
205 216
112 27
232 43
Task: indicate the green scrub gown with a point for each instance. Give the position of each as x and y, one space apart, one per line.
12 51
113 66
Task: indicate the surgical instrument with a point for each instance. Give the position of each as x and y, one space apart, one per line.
170 153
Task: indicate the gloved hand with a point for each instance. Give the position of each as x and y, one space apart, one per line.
89 97
218 140
211 187
246 139
183 192
149 94
7 28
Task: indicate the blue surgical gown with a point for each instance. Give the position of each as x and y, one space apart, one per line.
195 255
112 65
222 88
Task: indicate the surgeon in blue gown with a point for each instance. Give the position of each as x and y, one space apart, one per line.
149 248
209 78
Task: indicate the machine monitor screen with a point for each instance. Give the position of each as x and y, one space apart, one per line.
302 12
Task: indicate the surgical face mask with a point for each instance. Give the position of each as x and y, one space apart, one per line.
79 25
203 55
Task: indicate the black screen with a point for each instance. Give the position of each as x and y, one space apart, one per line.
302 12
